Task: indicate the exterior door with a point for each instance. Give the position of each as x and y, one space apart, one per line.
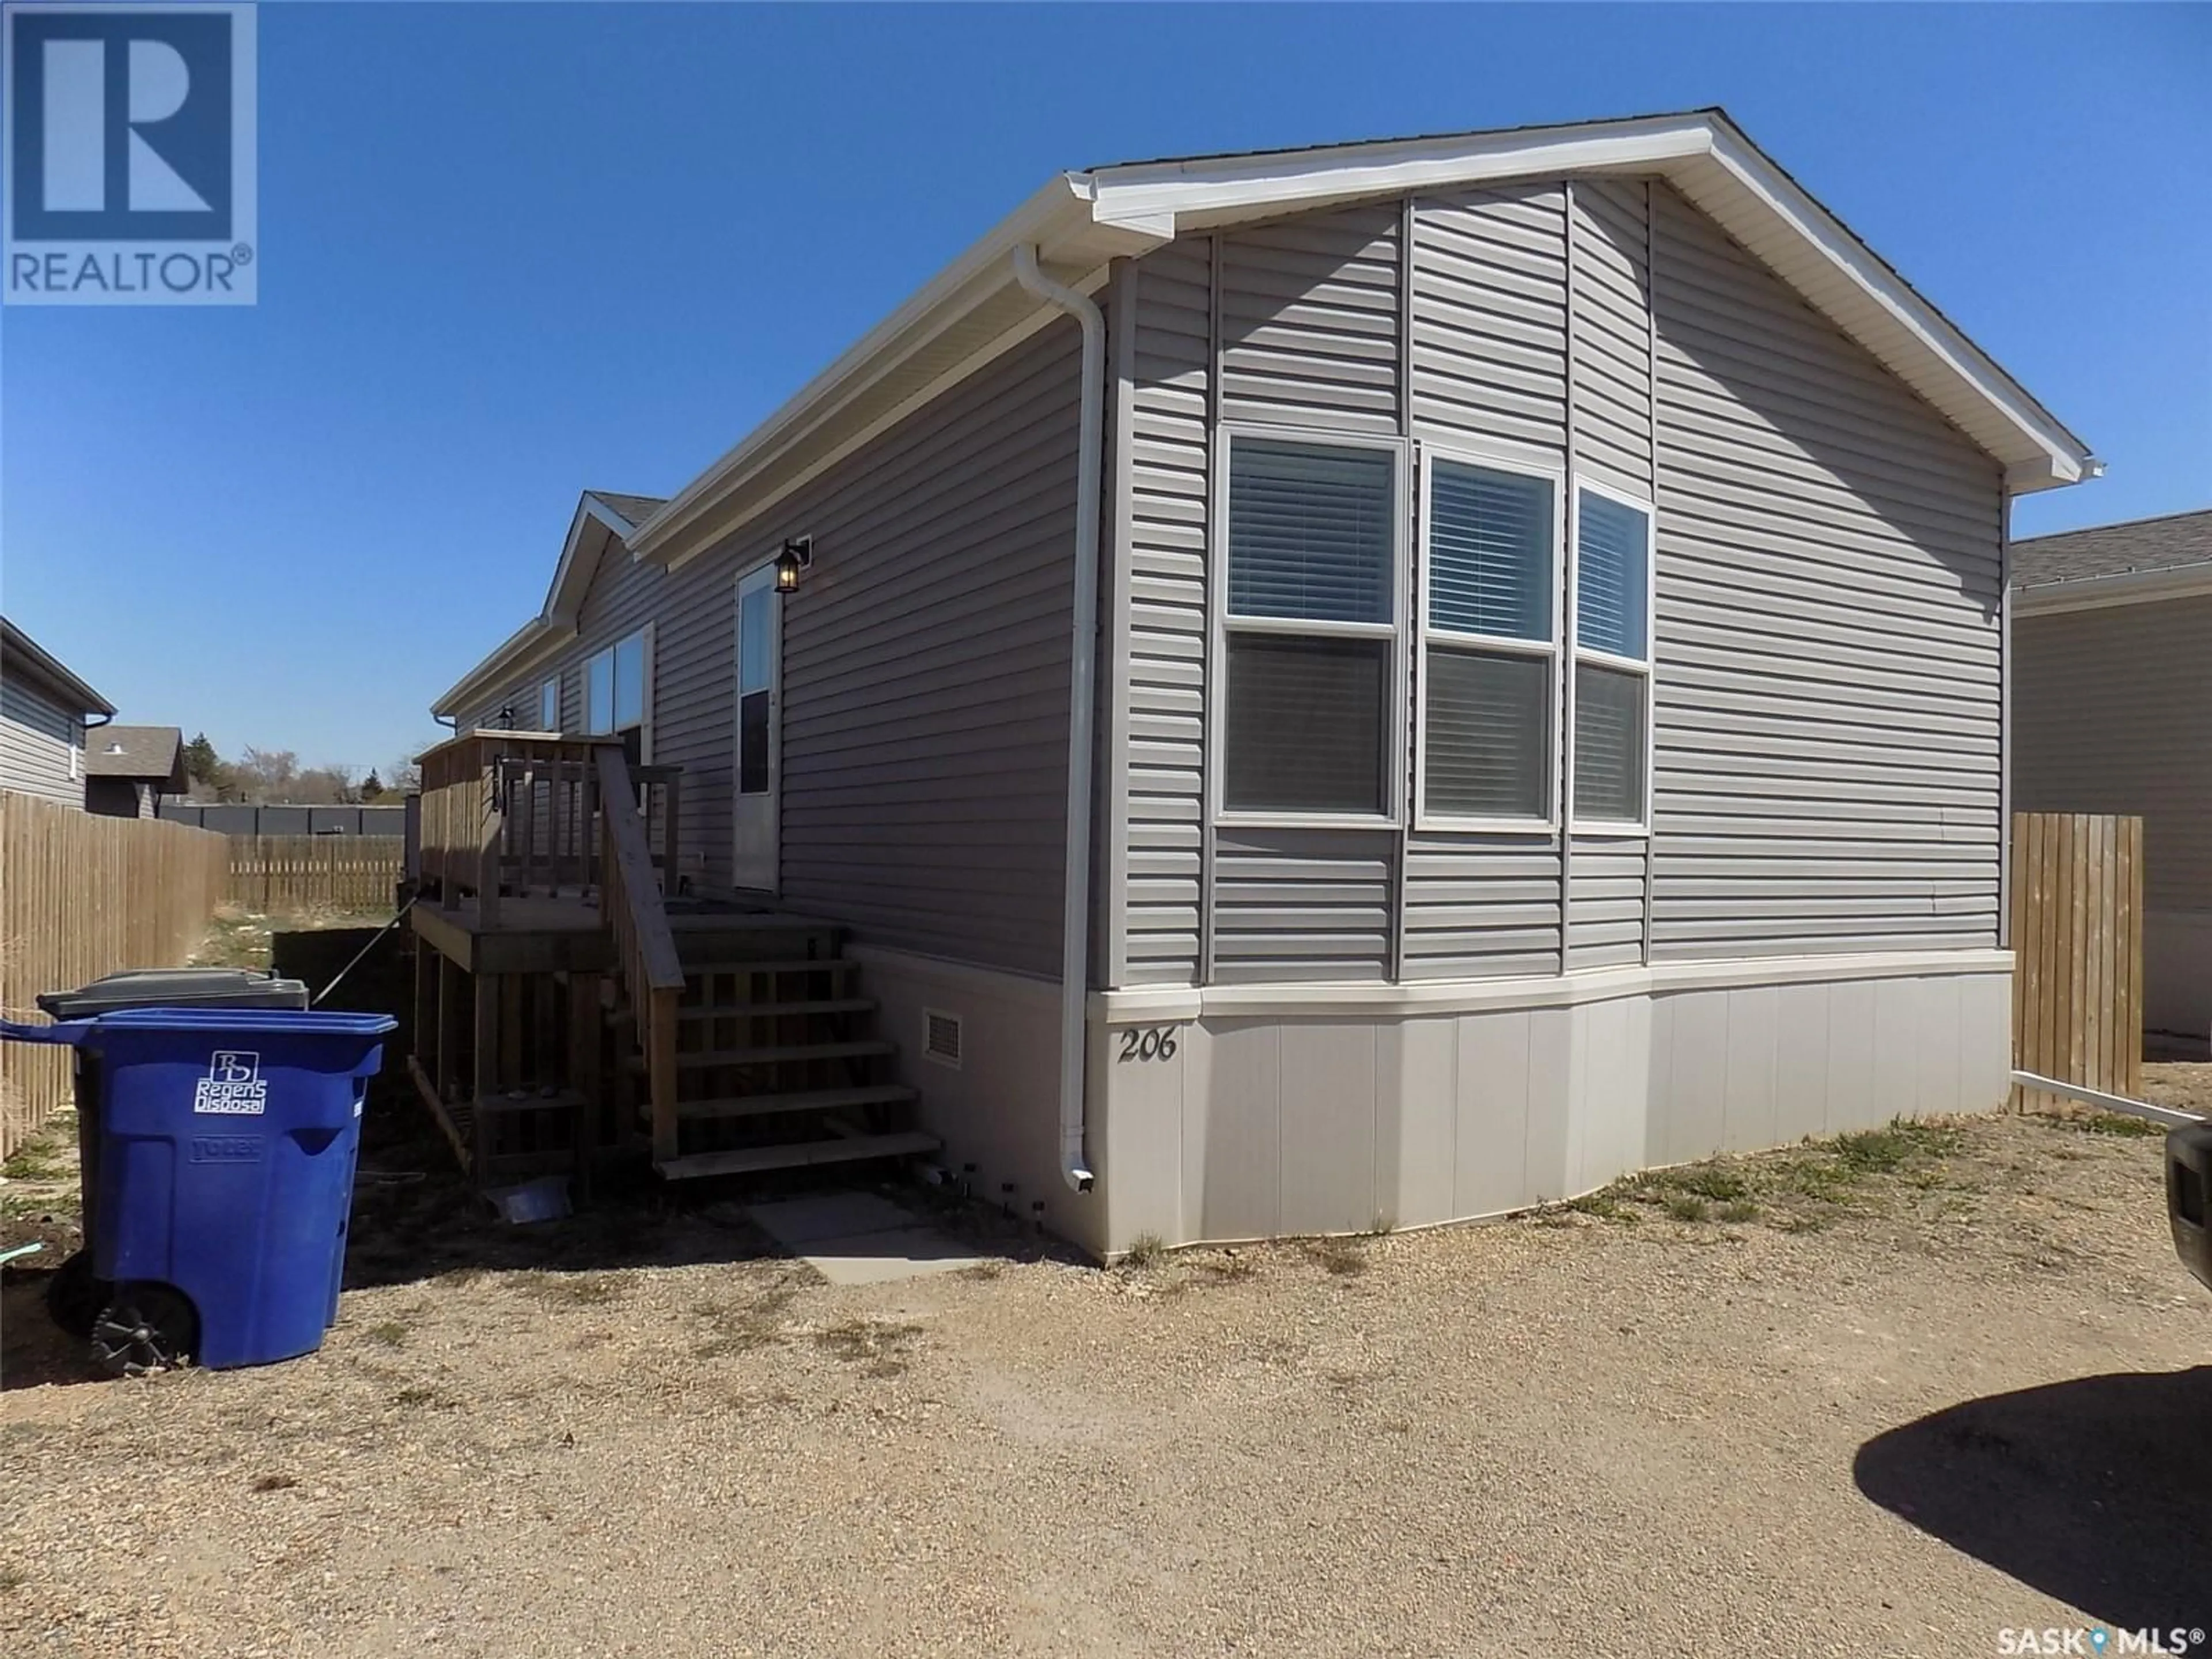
758 823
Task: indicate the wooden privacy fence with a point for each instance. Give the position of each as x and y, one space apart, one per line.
80 897
2077 906
297 872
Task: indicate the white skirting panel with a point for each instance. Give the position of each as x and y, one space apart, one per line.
999 1109
1378 1106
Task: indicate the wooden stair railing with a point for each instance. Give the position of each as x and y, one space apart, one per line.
644 946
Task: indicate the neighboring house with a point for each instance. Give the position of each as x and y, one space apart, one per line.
45 710
1542 716
2111 712
128 769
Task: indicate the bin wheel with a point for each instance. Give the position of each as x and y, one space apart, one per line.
147 1328
75 1296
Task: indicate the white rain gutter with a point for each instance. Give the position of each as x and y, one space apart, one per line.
1082 697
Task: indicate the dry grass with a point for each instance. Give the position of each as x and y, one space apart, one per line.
239 937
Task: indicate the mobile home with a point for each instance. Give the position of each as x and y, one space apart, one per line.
1377 683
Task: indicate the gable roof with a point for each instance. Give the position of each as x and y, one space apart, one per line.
2163 558
1079 222
602 518
149 753
24 659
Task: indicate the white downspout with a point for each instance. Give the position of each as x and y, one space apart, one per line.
1075 911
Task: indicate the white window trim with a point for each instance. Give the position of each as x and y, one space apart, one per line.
646 671
1556 759
1617 829
1398 688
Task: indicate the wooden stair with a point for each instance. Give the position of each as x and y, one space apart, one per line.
776 1060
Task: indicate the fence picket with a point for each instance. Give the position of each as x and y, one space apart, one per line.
2077 946
341 872
81 896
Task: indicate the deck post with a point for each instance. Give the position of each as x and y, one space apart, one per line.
660 1070
584 1035
425 1034
671 879
488 989
446 1056
488 845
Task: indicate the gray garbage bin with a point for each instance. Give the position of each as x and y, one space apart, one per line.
75 1295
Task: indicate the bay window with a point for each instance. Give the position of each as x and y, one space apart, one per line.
1311 627
1489 645
1612 660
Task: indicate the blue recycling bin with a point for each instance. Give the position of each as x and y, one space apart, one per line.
227 1138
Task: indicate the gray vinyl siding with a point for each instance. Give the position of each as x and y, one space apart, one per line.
2111 712
1611 410
1302 904
925 672
36 741
1490 317
1827 773
1170 369
1310 318
1482 906
1309 321
1489 305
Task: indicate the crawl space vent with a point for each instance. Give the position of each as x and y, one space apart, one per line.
941 1039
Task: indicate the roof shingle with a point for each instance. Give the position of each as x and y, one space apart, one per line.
2112 549
135 752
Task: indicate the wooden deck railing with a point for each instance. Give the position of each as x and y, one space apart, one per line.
519 813
645 948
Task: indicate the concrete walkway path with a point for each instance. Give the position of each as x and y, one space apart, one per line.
859 1238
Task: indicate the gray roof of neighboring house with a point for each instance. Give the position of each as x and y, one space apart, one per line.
22 657
154 753
2114 550
636 508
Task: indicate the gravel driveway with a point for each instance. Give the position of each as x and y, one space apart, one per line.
1912 1392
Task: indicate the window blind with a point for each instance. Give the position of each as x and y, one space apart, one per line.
1489 733
1303 720
1309 532
1490 551
1612 543
1608 744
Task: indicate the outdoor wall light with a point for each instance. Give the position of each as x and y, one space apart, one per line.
797 554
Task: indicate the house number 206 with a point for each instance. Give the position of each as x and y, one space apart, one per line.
1148 1042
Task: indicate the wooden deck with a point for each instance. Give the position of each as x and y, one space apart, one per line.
535 934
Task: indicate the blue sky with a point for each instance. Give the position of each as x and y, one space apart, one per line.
508 252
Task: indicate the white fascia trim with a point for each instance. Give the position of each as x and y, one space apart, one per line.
2187 581
561 604
1055 219
1036 323
2057 458
1167 1004
1195 195
520 651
